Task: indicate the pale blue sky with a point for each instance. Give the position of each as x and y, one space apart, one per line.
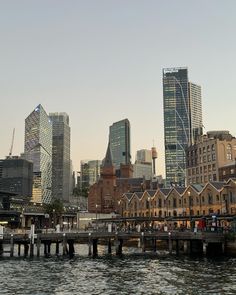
101 61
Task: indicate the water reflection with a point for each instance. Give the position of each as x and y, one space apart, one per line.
129 274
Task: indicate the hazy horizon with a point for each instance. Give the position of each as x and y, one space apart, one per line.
101 62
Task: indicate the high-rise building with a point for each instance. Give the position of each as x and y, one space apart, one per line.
16 176
90 172
119 139
60 156
38 149
182 121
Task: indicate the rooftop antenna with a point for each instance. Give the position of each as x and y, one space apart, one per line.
12 142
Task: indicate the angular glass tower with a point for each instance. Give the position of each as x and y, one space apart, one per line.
60 156
119 139
38 149
182 121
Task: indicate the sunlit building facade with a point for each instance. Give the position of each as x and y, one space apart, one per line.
38 149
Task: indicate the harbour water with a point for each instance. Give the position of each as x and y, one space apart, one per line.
133 273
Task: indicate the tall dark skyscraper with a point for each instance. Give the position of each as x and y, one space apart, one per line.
119 138
38 149
182 121
60 156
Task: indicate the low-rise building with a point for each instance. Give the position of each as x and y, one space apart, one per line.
211 152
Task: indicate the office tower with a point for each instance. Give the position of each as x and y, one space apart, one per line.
119 139
182 121
38 149
16 176
61 175
90 173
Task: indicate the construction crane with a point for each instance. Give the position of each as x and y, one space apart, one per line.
12 142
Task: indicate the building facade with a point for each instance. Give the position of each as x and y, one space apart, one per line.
104 195
194 201
119 138
16 176
143 164
89 172
212 151
182 121
61 173
38 149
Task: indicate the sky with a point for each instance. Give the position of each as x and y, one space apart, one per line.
101 61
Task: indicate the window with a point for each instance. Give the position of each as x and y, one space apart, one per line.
229 152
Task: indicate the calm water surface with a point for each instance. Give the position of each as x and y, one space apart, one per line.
130 274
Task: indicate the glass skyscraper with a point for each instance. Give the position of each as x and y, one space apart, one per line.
182 121
38 149
60 156
119 138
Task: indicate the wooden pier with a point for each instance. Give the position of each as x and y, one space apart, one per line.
186 242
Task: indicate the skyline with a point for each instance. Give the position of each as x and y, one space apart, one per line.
101 62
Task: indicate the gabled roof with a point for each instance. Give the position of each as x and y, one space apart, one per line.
139 194
165 191
217 184
180 190
128 195
197 187
151 192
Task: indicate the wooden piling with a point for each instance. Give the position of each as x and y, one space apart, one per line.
1 249
38 246
89 245
12 246
19 248
109 246
64 243
95 247
26 249
57 248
